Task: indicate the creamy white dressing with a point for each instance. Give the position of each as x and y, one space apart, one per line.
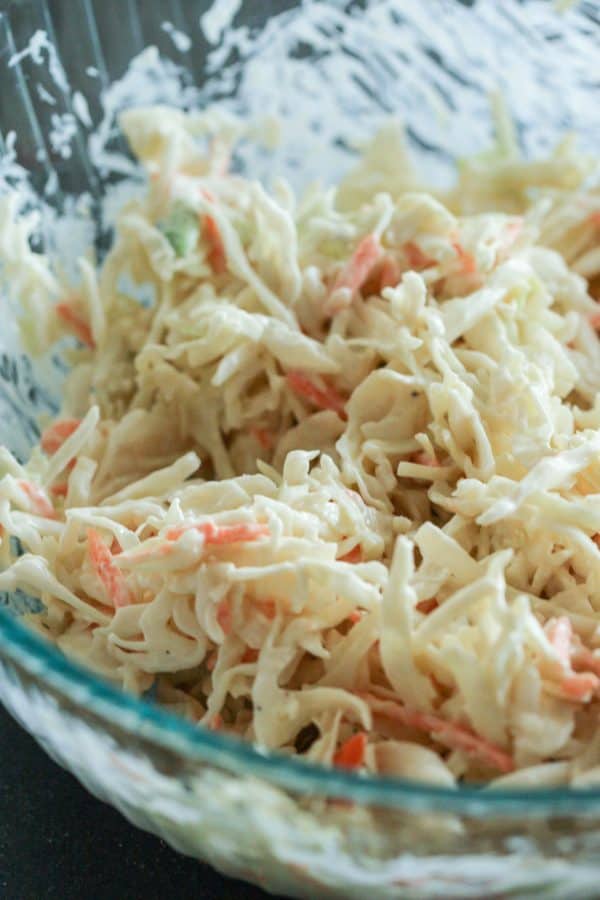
341 472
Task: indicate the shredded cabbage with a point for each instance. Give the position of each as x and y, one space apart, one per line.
334 485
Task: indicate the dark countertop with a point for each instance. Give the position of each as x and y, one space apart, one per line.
57 842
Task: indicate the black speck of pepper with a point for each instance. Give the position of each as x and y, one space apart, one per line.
306 738
414 393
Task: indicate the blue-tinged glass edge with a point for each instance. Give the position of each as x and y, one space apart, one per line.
192 743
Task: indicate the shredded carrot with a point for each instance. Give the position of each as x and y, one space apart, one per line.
580 686
353 556
390 273
355 272
458 736
354 275
268 607
56 434
216 251
594 320
423 459
351 754
221 534
110 575
225 615
39 500
115 547
160 552
594 217
76 323
584 659
417 260
427 606
250 655
216 723
60 490
356 616
323 398
467 260
264 437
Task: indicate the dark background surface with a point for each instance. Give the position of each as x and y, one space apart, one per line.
57 842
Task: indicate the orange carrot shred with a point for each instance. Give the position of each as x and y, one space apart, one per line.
264 437
56 434
594 320
39 500
423 459
356 616
109 574
427 606
584 658
76 323
59 490
579 686
351 754
267 606
467 260
417 260
323 398
355 272
353 556
390 273
458 736
216 251
221 534
250 655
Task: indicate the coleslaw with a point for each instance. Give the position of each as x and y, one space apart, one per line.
327 471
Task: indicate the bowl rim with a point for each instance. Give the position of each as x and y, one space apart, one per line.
143 718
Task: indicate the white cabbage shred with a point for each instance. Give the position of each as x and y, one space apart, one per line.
335 485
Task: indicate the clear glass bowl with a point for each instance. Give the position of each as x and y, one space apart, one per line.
331 71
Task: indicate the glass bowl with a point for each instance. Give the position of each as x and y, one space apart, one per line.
332 71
